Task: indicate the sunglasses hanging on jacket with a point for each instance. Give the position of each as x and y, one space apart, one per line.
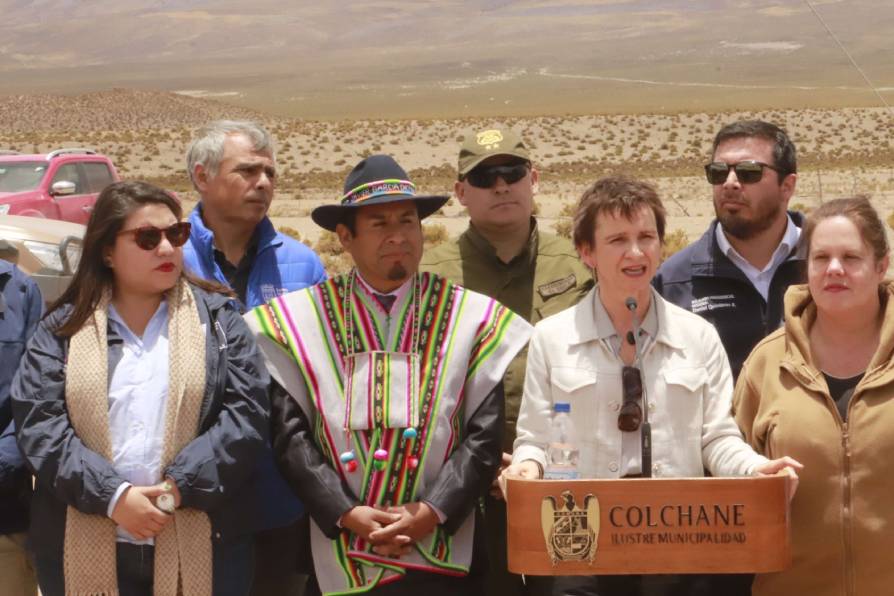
634 414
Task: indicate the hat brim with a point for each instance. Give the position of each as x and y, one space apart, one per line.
474 163
329 216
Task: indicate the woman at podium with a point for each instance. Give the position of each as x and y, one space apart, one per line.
820 389
648 383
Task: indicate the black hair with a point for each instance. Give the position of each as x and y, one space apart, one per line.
784 157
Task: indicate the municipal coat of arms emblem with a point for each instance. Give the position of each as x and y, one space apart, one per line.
570 531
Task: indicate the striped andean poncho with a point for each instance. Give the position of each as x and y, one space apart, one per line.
466 341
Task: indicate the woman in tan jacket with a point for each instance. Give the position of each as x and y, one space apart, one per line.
822 390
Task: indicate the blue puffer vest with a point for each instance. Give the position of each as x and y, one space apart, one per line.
282 265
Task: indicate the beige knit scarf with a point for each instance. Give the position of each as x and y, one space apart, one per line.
183 548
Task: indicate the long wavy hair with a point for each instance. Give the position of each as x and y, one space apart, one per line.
93 276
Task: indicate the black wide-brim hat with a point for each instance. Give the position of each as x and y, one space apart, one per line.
375 180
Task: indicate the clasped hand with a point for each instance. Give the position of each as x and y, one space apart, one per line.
136 512
391 530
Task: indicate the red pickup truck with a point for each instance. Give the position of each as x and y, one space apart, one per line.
62 184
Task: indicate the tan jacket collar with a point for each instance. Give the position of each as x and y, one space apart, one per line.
800 314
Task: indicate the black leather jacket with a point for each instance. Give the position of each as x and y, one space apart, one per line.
465 476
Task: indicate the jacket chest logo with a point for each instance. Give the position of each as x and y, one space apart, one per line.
710 303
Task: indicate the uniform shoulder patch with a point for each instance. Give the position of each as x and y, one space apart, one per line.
557 286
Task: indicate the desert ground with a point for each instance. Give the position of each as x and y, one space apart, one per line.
842 151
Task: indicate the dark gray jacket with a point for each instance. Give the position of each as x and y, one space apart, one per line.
701 279
211 471
20 309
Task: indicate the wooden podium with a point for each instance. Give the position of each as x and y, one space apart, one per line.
683 525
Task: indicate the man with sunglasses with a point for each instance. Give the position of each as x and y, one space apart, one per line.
736 274
232 165
503 254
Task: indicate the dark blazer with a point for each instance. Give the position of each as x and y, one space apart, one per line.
210 472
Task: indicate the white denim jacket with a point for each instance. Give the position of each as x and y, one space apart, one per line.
687 382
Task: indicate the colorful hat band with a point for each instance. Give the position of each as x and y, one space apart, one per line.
391 186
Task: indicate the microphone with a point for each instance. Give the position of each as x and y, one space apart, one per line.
630 303
645 427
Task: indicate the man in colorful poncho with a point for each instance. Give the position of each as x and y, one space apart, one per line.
387 423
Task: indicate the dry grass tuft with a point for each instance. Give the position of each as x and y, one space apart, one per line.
674 242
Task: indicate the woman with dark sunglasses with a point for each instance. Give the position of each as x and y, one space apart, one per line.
822 389
648 383
140 406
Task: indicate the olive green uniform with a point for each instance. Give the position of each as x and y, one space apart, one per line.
545 278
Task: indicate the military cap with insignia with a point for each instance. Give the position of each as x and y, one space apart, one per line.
478 146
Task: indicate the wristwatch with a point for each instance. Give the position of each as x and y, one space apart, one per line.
165 501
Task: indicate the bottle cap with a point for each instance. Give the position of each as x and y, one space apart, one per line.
562 407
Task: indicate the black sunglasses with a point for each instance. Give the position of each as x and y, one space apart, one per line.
486 176
631 414
149 237
747 172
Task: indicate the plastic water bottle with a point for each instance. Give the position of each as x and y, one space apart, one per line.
562 454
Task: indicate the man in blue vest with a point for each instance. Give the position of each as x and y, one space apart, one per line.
232 165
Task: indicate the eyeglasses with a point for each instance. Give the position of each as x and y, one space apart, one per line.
149 237
486 176
747 172
631 414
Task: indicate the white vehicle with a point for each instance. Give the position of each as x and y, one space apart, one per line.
48 250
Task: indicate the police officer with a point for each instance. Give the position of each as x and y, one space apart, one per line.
503 254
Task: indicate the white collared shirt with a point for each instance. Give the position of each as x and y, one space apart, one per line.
398 292
761 278
138 395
